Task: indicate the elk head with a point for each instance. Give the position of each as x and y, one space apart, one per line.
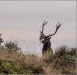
43 36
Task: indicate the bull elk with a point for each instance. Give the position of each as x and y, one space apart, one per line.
47 51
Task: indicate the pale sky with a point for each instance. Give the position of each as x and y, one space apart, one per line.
21 21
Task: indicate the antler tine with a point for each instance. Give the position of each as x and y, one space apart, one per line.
41 32
44 23
57 27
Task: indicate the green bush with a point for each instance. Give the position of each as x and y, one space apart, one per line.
69 57
6 67
60 51
72 52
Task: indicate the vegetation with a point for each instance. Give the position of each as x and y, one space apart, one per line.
14 62
11 45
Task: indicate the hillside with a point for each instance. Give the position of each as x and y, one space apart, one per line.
14 62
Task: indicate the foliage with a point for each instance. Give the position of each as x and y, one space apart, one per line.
63 62
6 67
60 51
12 45
63 52
69 57
73 52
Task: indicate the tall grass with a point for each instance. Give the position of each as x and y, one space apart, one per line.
14 62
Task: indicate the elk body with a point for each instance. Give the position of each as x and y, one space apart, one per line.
47 51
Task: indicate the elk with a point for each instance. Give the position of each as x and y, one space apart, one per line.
45 39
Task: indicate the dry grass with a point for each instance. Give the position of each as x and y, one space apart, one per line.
34 64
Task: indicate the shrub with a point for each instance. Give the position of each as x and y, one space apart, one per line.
72 52
61 51
69 57
6 67
12 45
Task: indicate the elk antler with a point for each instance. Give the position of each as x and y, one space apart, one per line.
44 23
57 27
41 32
